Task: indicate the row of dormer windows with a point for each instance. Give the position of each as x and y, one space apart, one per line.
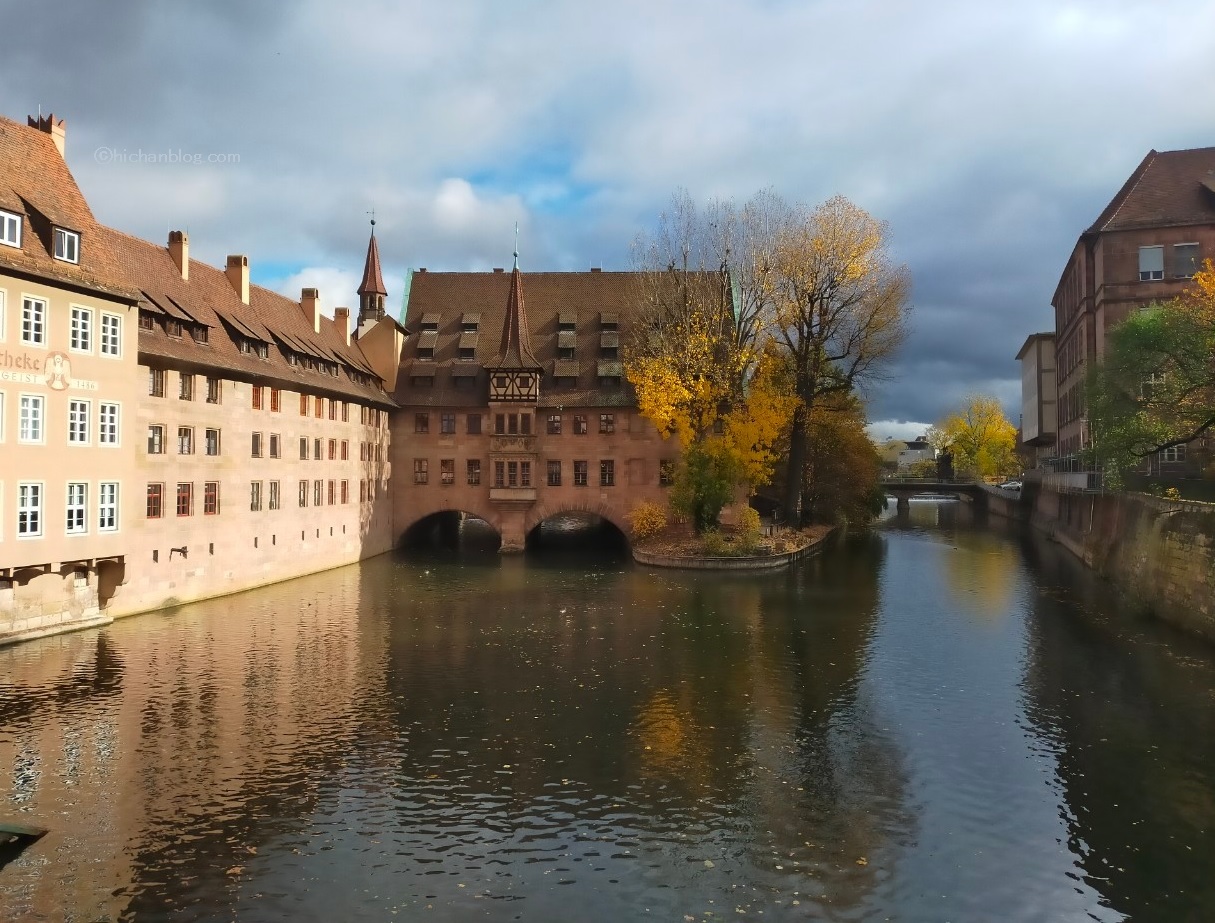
65 243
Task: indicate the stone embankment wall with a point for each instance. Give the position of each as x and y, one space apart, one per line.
1161 552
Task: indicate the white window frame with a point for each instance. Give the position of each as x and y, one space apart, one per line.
3 313
1155 252
157 442
107 509
1174 454
31 426
67 245
111 339
80 337
109 432
25 490
76 508
80 413
33 329
10 228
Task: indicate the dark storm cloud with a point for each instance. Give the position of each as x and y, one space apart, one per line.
981 132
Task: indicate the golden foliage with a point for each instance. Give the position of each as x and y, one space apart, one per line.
647 519
982 440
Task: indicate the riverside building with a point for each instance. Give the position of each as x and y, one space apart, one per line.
169 430
517 414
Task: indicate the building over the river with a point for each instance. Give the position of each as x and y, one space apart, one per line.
170 430
517 413
1144 246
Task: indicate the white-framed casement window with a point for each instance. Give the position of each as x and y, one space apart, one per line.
77 507
1174 453
10 228
255 496
274 495
81 340
67 245
29 509
111 335
156 439
107 423
31 411
107 506
33 321
1151 264
78 422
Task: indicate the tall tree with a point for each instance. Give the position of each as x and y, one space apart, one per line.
836 305
981 438
693 356
1155 386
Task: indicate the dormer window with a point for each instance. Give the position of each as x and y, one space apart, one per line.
67 245
10 229
173 327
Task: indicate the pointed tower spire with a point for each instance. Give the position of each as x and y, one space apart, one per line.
515 373
371 290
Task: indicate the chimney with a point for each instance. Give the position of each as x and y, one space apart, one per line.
238 274
341 317
53 127
499 269
310 304
596 269
179 249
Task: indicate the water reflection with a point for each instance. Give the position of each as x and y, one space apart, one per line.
938 721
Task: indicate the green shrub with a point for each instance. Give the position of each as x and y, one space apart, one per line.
748 522
647 520
714 543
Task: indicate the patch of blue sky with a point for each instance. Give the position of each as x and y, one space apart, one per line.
267 273
543 179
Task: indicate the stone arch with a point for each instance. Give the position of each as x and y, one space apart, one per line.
417 514
603 510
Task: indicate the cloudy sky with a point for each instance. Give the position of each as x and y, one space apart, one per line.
988 135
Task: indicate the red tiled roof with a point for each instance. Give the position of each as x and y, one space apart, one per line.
585 298
1169 188
209 299
36 185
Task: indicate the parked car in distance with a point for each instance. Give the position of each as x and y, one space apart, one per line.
1010 485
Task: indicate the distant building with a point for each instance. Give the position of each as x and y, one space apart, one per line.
914 452
1039 423
1144 247
517 413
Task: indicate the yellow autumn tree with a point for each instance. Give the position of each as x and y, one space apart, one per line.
836 306
980 437
694 361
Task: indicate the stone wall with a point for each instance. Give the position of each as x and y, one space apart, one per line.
1160 552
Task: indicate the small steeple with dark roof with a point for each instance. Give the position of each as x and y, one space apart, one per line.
515 353
371 290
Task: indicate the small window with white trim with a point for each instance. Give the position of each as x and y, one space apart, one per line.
78 422
67 245
31 407
1151 264
107 417
81 339
10 228
29 510
111 335
107 506
33 321
77 507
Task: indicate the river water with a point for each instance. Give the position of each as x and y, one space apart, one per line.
941 722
